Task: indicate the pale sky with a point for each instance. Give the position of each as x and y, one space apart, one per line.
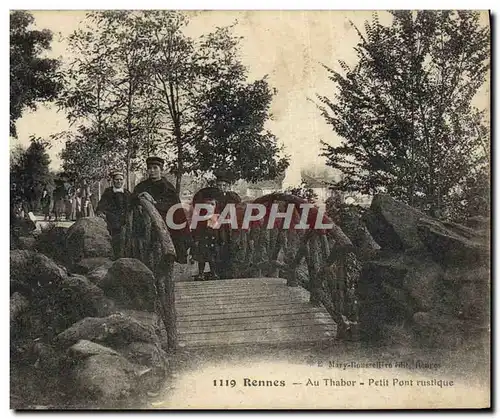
288 46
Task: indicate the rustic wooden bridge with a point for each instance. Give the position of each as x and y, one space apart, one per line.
267 307
248 311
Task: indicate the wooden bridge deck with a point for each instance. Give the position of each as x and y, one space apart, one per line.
248 311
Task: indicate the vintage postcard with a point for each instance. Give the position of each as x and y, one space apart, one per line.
250 209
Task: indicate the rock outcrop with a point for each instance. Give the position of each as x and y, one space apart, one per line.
88 238
130 284
429 284
117 329
85 266
393 224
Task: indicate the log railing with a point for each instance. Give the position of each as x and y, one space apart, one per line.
257 252
324 255
149 240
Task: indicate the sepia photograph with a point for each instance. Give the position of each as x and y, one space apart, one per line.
250 209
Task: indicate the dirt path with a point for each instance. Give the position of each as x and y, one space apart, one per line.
273 378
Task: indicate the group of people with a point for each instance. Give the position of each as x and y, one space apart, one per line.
205 244
64 201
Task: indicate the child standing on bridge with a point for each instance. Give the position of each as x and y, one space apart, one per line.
206 247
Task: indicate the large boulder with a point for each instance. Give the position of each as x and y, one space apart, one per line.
116 330
81 298
88 265
27 243
46 357
18 304
147 354
88 238
423 281
105 377
478 223
381 297
153 358
453 244
394 287
393 224
130 283
436 329
352 224
52 242
30 270
471 292
85 349
97 275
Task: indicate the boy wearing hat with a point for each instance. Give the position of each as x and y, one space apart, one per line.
114 206
163 195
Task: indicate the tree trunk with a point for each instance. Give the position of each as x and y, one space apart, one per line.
180 159
127 171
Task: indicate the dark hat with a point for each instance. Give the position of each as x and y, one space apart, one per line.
232 197
155 160
223 176
114 173
207 193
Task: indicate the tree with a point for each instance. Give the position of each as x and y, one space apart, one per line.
404 111
303 191
231 138
33 79
31 172
106 92
16 154
86 158
138 76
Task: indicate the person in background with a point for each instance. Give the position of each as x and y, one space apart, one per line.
59 200
333 205
163 195
46 204
87 210
113 207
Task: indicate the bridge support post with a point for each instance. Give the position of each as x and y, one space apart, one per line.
315 280
292 280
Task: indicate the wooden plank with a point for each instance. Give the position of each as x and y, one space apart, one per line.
278 335
257 325
320 317
248 311
230 286
287 308
243 297
236 308
228 299
239 293
243 291
299 339
237 300
209 290
228 282
264 302
263 336
295 310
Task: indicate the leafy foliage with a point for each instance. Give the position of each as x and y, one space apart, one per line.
304 192
106 92
32 78
232 139
405 110
30 172
140 86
